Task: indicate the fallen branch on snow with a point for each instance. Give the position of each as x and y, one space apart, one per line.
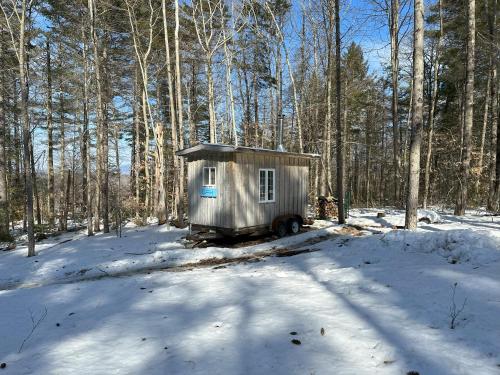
34 326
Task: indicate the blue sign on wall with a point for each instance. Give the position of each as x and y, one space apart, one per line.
208 192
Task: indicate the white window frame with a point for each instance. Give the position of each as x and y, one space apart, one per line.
210 175
267 170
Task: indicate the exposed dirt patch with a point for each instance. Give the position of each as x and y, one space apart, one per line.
290 253
250 258
241 240
351 230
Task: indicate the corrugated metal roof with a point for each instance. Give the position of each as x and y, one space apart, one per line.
214 147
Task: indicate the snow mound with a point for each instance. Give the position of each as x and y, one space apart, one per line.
478 247
431 216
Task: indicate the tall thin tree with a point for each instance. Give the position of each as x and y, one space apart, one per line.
340 125
469 110
417 116
394 31
19 42
4 201
432 107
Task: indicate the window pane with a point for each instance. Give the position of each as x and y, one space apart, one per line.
206 176
212 176
262 185
270 185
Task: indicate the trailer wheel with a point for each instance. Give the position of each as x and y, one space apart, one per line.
294 226
281 229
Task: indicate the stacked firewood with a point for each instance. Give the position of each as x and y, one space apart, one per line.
326 208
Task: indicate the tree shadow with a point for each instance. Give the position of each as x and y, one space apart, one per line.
237 319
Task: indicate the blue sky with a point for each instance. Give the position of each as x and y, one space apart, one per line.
359 24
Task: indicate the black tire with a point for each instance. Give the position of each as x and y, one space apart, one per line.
281 229
294 226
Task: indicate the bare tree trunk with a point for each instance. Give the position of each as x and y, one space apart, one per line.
85 132
210 43
292 79
178 83
193 137
62 166
137 148
383 180
35 186
26 141
147 200
368 141
211 100
73 169
142 60
50 143
432 109
67 195
86 140
255 94
23 77
340 129
105 147
487 99
469 111
279 90
99 115
494 175
394 30
417 116
161 210
4 199
228 58
118 199
245 99
173 119
102 129
326 175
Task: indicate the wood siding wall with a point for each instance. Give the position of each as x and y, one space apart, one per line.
291 180
237 181
211 211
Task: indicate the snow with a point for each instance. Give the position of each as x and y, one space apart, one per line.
77 257
383 299
430 215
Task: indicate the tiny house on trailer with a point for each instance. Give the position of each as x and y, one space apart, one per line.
240 190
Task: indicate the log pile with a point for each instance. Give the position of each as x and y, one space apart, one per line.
326 208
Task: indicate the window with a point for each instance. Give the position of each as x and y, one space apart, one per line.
209 176
266 185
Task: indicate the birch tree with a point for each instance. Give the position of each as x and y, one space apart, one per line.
291 75
142 54
207 18
228 59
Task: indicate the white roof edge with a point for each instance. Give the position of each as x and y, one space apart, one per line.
216 147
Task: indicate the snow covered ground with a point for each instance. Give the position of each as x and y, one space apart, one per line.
75 257
382 299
